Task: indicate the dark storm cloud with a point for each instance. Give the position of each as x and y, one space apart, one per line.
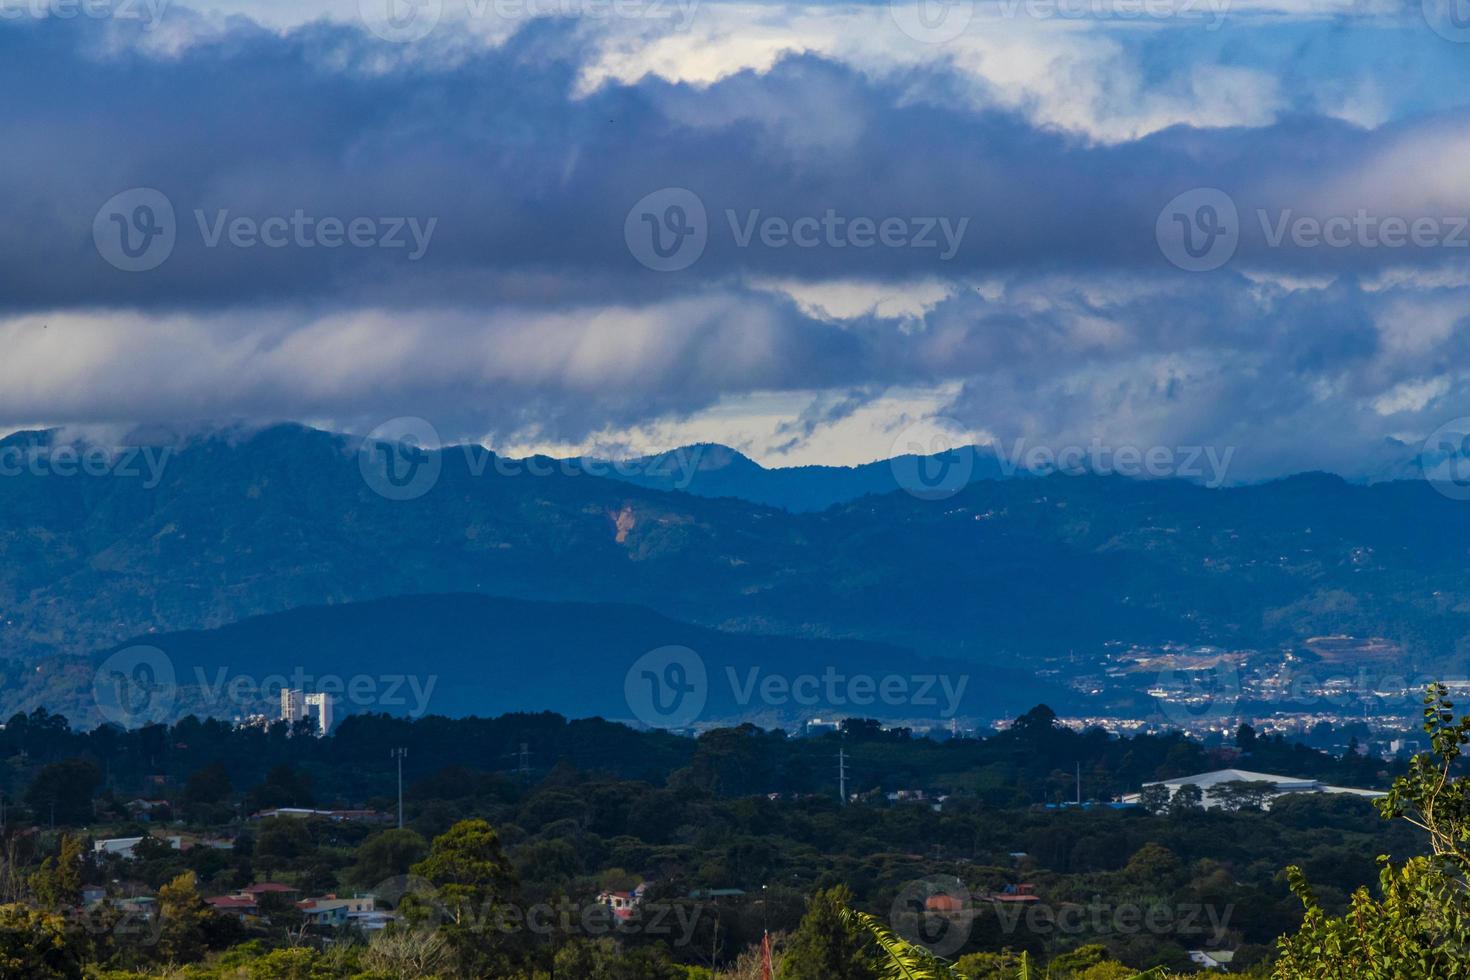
528 185
527 312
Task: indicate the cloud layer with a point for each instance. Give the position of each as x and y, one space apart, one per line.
794 228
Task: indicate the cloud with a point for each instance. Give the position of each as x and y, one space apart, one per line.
894 231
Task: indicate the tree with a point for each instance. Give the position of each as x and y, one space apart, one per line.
58 882
283 839
408 953
208 785
473 883
283 786
386 855
468 870
1419 926
902 960
1245 738
1154 798
1153 864
1187 799
183 917
830 944
36 945
64 789
1240 794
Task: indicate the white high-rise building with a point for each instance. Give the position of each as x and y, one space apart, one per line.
296 705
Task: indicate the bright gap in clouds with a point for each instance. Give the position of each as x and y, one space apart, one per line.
766 426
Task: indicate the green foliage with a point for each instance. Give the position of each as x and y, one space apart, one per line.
901 960
468 870
1418 928
1187 799
183 918
473 884
58 883
830 944
35 945
386 855
64 790
1154 798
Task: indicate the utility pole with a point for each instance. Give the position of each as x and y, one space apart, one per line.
1079 784
525 768
398 754
842 776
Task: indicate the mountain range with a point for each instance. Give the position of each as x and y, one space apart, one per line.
999 572
469 654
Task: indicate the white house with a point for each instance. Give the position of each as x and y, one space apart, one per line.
1212 959
123 846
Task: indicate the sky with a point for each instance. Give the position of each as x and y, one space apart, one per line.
819 232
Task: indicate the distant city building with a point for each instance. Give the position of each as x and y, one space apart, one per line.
298 705
1281 786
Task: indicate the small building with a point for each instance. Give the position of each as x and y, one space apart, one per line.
944 904
1212 959
1022 894
123 846
623 904
374 921
149 810
329 910
240 906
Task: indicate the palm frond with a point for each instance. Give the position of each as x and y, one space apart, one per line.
902 960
